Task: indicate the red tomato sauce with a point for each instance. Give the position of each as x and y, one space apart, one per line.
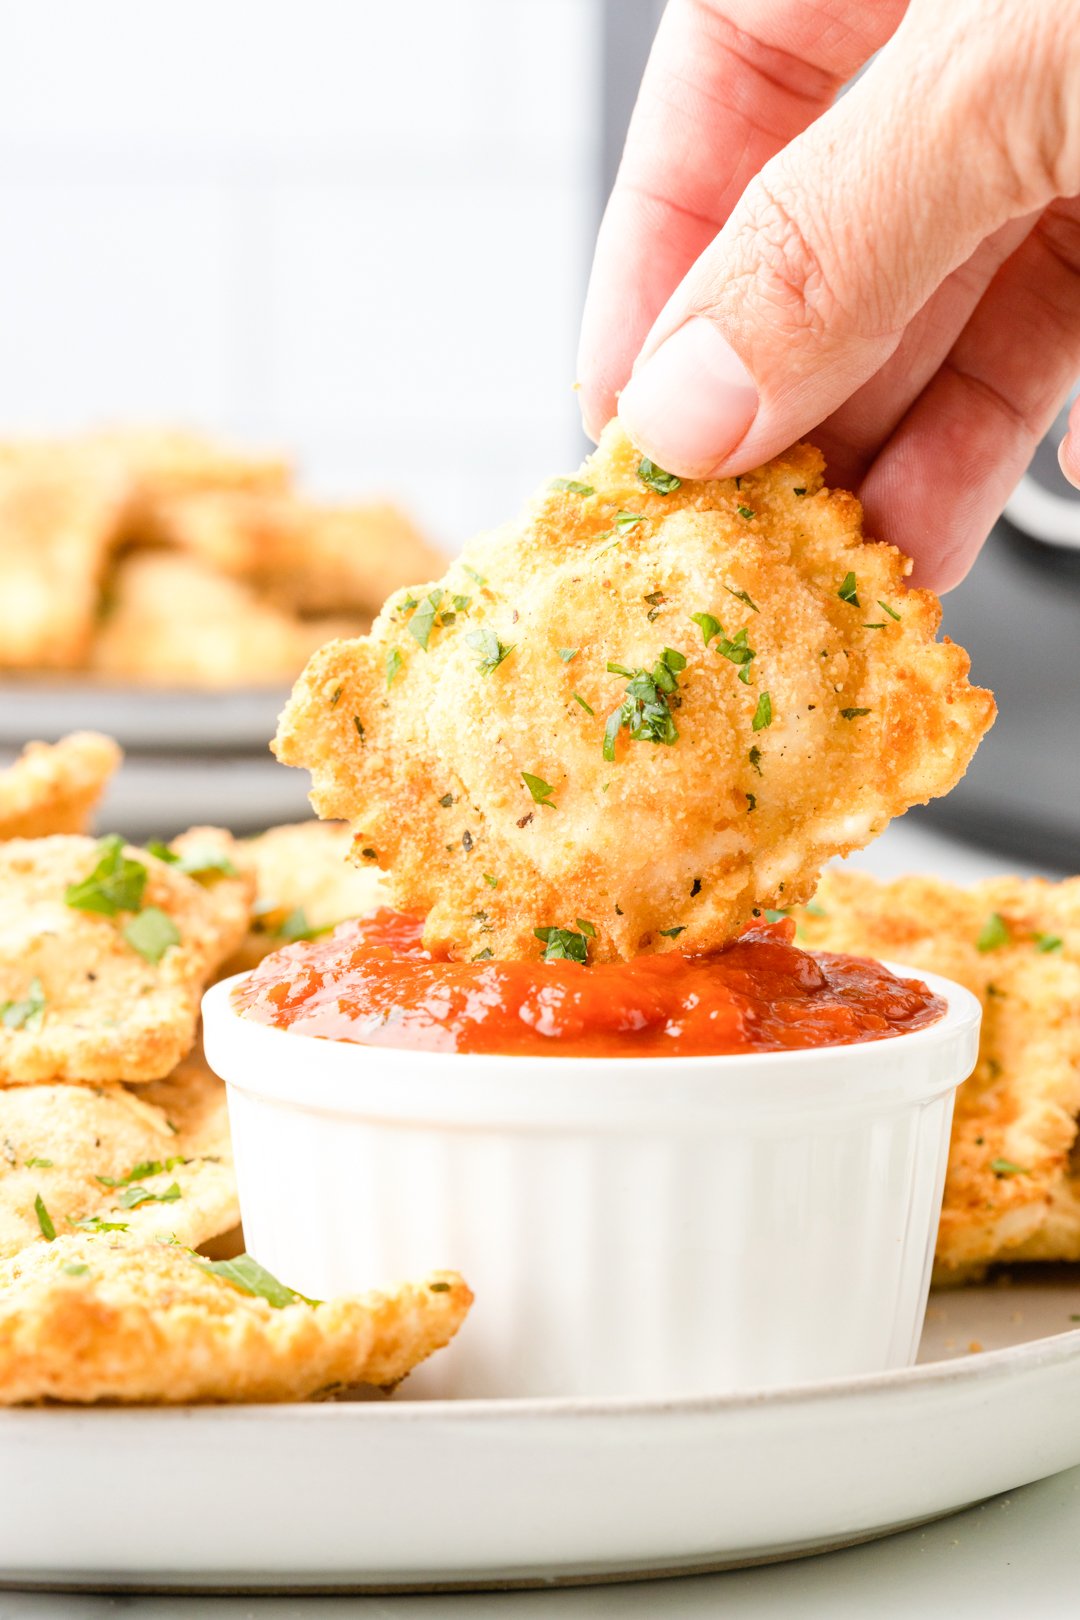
371 981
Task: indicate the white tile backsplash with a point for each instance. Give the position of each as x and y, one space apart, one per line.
358 229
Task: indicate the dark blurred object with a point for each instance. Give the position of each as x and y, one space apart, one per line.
1018 614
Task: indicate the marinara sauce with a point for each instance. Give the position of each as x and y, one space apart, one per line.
371 981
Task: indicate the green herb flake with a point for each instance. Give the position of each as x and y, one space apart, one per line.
196 863
709 626
754 757
798 491
492 651
132 1197
737 650
879 626
587 928
540 790
993 934
116 883
848 591
746 512
439 1288
140 1171
572 486
74 1268
751 802
853 714
563 945
336 697
763 715
890 611
1005 1167
461 604
492 882
741 596
151 932
483 956
568 654
577 697
359 726
423 618
672 933
1045 943
646 710
29 1013
627 520
38 1164
246 1274
394 662
479 578
97 1223
661 482
44 1219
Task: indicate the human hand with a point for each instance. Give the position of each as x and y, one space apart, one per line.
896 275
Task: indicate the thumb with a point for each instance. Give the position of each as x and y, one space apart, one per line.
830 252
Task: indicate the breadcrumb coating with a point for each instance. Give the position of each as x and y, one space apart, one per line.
55 787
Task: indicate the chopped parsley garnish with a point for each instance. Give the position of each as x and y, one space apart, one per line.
763 715
438 1288
672 933
460 605
540 790
370 854
359 725
879 626
1048 942
890 611
336 698
650 697
44 1219
799 491
754 757
74 1268
1005 1167
492 882
492 651
853 714
848 591
663 483
196 863
563 945
423 618
446 801
709 625
572 486
577 697
394 662
627 520
568 654
151 932
993 934
132 1197
96 1223
695 888
38 1164
746 512
479 578
29 1013
246 1274
116 884
751 802
139 1172
586 927
741 596
737 651
483 956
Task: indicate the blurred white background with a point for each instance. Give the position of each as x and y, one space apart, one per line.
357 230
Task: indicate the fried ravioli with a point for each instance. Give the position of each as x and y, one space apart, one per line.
1012 1191
55 787
110 993
650 704
151 1162
304 884
82 1320
173 621
308 558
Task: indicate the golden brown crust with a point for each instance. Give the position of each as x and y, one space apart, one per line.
145 1323
63 1143
1010 1192
109 1013
303 876
55 787
309 558
684 839
173 621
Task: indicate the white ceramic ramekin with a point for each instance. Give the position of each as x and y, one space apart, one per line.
653 1226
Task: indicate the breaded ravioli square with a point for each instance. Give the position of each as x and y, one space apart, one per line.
55 787
84 1320
1012 1191
101 969
148 1162
649 706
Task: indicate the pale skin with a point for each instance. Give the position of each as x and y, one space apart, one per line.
894 275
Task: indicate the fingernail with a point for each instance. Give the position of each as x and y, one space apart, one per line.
691 402
1069 458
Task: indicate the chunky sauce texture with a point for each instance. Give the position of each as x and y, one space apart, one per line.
371 981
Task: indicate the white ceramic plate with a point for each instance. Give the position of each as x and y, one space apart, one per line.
418 1494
